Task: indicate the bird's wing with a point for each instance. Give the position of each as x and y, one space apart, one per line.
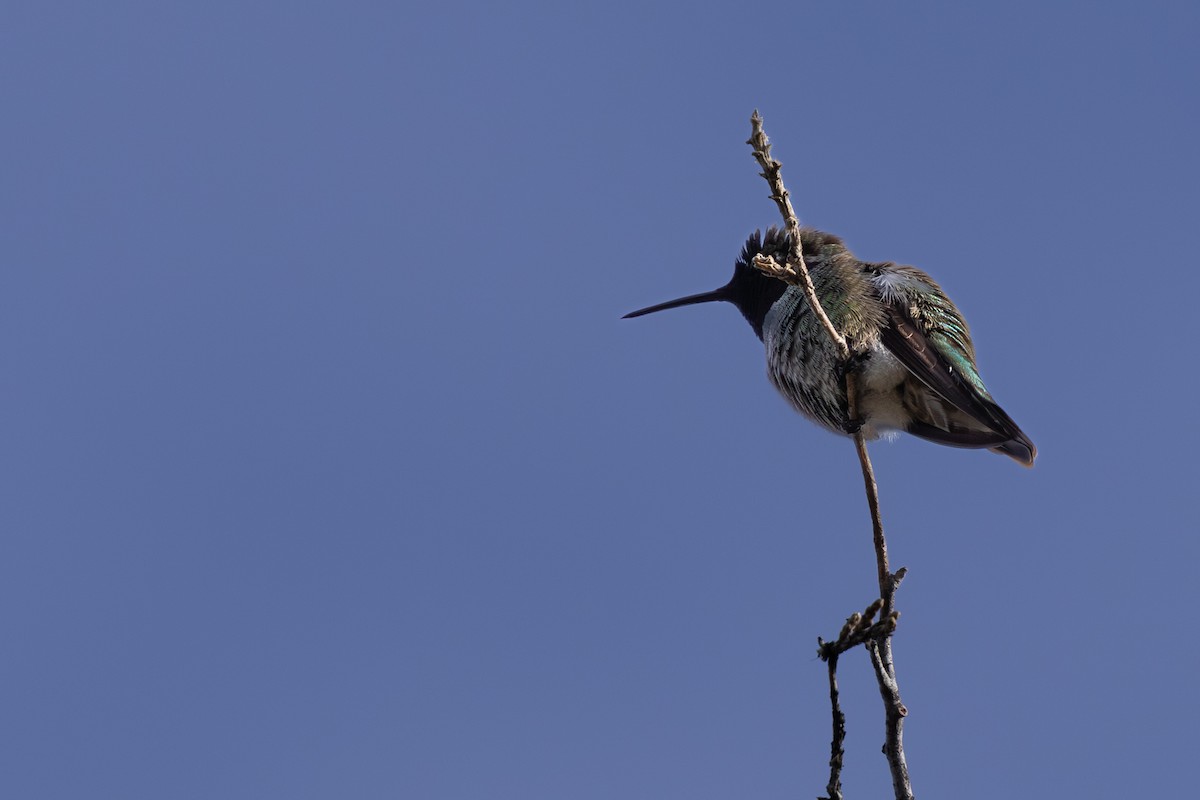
926 333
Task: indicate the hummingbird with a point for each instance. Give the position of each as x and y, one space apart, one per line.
909 346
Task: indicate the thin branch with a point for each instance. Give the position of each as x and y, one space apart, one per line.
795 267
859 629
795 273
895 711
887 588
836 750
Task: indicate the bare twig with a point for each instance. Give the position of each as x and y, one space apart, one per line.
836 751
762 154
889 690
887 591
859 628
879 641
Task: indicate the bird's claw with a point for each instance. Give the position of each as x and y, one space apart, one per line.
851 365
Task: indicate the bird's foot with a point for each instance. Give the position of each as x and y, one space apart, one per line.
851 365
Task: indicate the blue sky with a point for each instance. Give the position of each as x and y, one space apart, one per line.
330 469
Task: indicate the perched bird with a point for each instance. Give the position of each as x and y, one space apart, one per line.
909 345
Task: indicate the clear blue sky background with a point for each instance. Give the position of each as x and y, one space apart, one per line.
329 469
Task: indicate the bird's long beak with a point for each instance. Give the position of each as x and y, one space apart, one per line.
704 297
